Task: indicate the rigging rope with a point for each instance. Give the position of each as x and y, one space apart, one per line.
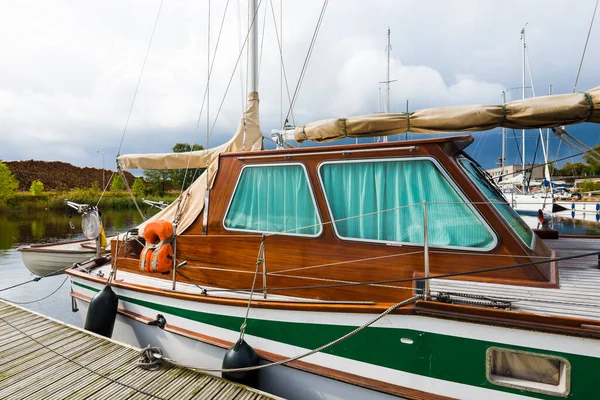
43 298
260 260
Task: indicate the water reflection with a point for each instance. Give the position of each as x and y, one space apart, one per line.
44 227
52 226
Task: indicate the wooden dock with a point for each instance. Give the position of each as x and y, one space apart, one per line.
41 358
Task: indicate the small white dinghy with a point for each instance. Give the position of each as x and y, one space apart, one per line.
54 258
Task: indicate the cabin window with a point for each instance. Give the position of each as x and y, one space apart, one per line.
529 371
381 201
273 198
496 198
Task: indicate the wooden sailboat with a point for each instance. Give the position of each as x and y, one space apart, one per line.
334 236
345 249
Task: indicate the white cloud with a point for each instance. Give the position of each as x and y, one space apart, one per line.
69 70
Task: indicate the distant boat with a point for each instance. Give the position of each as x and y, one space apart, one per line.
54 258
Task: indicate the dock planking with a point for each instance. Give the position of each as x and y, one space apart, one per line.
41 358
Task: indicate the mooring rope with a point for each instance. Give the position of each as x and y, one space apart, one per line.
43 298
148 350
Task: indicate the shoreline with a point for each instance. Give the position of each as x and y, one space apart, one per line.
25 201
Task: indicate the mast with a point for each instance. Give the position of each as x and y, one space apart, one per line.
503 142
252 55
523 97
252 47
387 77
387 81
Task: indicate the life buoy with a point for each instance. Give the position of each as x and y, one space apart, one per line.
157 255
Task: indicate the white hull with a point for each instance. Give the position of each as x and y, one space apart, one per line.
292 383
584 206
529 202
54 258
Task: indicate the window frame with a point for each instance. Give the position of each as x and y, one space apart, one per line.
443 172
532 245
310 189
561 390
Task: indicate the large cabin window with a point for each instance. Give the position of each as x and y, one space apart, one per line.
496 198
273 198
381 201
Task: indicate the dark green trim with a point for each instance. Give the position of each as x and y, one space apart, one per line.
445 357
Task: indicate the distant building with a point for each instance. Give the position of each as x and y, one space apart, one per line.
510 171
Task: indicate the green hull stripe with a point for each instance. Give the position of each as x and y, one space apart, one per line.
445 357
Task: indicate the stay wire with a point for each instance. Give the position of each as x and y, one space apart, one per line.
204 100
585 46
283 69
234 69
307 59
137 87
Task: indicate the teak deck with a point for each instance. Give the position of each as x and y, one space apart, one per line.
41 358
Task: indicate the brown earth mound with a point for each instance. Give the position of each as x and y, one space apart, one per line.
56 175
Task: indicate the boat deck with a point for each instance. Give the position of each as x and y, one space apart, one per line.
41 358
578 294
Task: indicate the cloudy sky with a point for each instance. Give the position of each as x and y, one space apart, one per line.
69 69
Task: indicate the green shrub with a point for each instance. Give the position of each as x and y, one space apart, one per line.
138 187
117 184
37 187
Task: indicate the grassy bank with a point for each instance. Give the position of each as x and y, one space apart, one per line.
24 201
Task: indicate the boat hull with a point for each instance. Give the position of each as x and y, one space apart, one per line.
584 206
50 261
418 356
529 204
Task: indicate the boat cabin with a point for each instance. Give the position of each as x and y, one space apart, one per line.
320 218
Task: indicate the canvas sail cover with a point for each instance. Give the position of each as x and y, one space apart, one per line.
191 201
538 112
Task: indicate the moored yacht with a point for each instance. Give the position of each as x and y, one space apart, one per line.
400 261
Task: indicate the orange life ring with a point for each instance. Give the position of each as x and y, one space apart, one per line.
157 255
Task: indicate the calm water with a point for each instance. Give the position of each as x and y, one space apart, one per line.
45 226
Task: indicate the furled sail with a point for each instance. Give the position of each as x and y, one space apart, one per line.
538 112
247 137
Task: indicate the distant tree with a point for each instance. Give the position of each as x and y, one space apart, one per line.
37 187
160 180
157 180
117 184
592 161
588 185
138 187
8 183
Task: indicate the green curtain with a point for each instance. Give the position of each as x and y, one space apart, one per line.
384 188
274 198
494 196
